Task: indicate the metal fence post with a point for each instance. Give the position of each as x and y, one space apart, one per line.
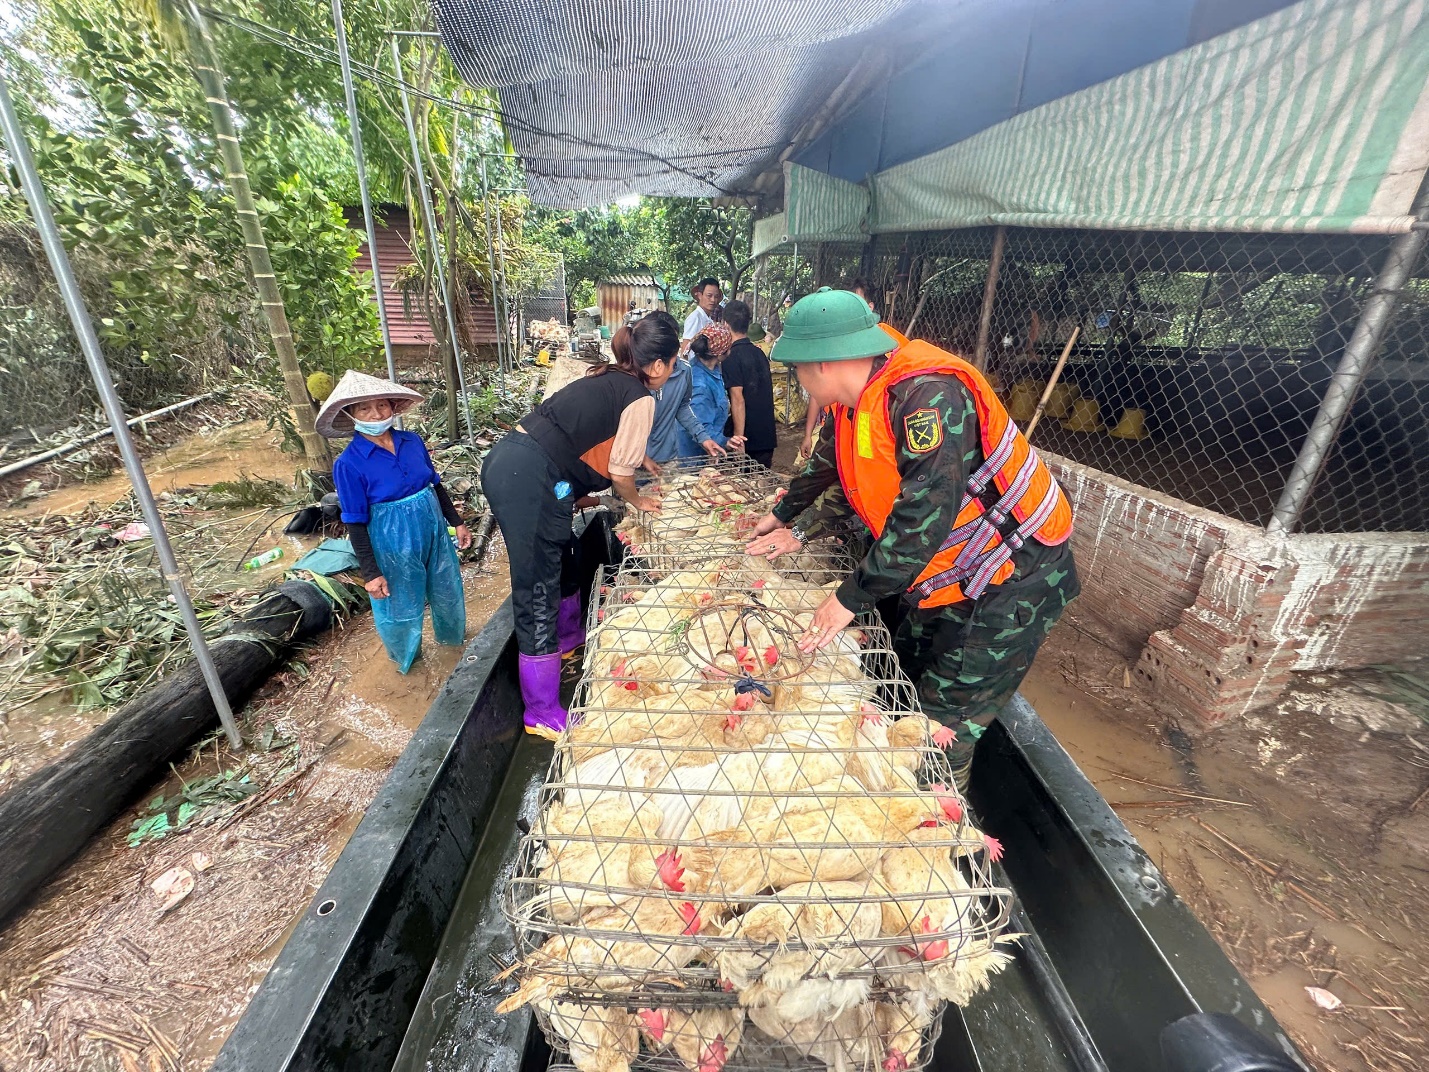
354 125
1355 363
113 407
501 356
430 219
989 295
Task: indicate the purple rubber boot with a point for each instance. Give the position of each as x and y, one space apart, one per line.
541 691
570 626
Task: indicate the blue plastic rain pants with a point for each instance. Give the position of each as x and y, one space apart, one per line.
417 557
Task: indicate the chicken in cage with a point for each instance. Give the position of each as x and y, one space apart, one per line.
747 854
700 507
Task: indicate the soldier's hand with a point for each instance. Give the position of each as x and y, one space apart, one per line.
831 617
746 526
773 544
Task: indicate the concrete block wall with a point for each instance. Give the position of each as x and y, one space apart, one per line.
1218 614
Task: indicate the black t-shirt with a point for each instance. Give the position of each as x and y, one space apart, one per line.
577 425
747 366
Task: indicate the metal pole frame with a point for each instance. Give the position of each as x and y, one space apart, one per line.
989 296
354 124
113 408
1355 363
430 219
505 292
501 355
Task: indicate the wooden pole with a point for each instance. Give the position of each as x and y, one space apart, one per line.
1052 382
989 293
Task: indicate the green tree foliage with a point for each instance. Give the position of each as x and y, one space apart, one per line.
694 238
598 243
126 148
329 305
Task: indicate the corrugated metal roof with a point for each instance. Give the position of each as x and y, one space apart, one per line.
629 280
408 322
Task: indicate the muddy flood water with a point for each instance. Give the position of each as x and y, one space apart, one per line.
95 974
1303 846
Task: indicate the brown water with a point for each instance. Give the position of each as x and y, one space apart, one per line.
206 458
1311 820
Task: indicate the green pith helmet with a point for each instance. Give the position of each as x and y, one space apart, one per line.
831 325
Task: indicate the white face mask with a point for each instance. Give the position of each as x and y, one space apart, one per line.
374 428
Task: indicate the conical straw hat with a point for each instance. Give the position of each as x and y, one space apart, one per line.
334 420
1132 425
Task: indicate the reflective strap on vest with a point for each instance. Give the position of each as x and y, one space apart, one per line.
987 569
975 561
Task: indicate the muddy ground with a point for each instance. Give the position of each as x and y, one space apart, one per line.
1300 837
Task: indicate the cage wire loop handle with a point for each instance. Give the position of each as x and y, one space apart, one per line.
113 408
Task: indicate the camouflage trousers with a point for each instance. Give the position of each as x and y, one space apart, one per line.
968 659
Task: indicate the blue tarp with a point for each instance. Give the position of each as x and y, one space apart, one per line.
1004 59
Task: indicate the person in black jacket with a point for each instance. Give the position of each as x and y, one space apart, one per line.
588 436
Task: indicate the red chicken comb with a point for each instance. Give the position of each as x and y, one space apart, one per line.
691 915
895 1060
948 802
671 873
714 1056
994 847
771 655
654 1021
944 736
926 950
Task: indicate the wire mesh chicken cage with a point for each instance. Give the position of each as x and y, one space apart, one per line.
702 503
747 855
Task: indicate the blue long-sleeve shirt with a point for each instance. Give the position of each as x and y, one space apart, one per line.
673 413
711 405
365 473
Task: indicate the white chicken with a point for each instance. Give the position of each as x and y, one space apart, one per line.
847 1043
643 940
585 862
703 1039
806 946
598 1039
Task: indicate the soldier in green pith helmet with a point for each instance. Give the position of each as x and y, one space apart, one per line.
967 524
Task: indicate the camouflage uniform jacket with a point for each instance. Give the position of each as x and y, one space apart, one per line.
932 483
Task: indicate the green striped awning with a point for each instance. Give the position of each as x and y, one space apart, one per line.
817 208
1315 118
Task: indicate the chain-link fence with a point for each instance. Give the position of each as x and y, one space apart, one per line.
1200 359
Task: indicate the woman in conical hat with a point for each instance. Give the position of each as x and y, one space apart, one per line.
397 513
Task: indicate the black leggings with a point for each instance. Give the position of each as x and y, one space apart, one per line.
519 482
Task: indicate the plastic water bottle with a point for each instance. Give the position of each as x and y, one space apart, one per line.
259 561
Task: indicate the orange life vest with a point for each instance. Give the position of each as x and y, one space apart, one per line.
978 551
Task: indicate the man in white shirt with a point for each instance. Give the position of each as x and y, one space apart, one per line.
707 295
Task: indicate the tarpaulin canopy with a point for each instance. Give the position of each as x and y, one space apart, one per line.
668 97
820 208
1315 118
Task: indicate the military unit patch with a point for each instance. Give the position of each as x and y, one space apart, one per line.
923 430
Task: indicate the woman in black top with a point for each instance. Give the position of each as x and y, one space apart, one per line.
751 388
586 437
